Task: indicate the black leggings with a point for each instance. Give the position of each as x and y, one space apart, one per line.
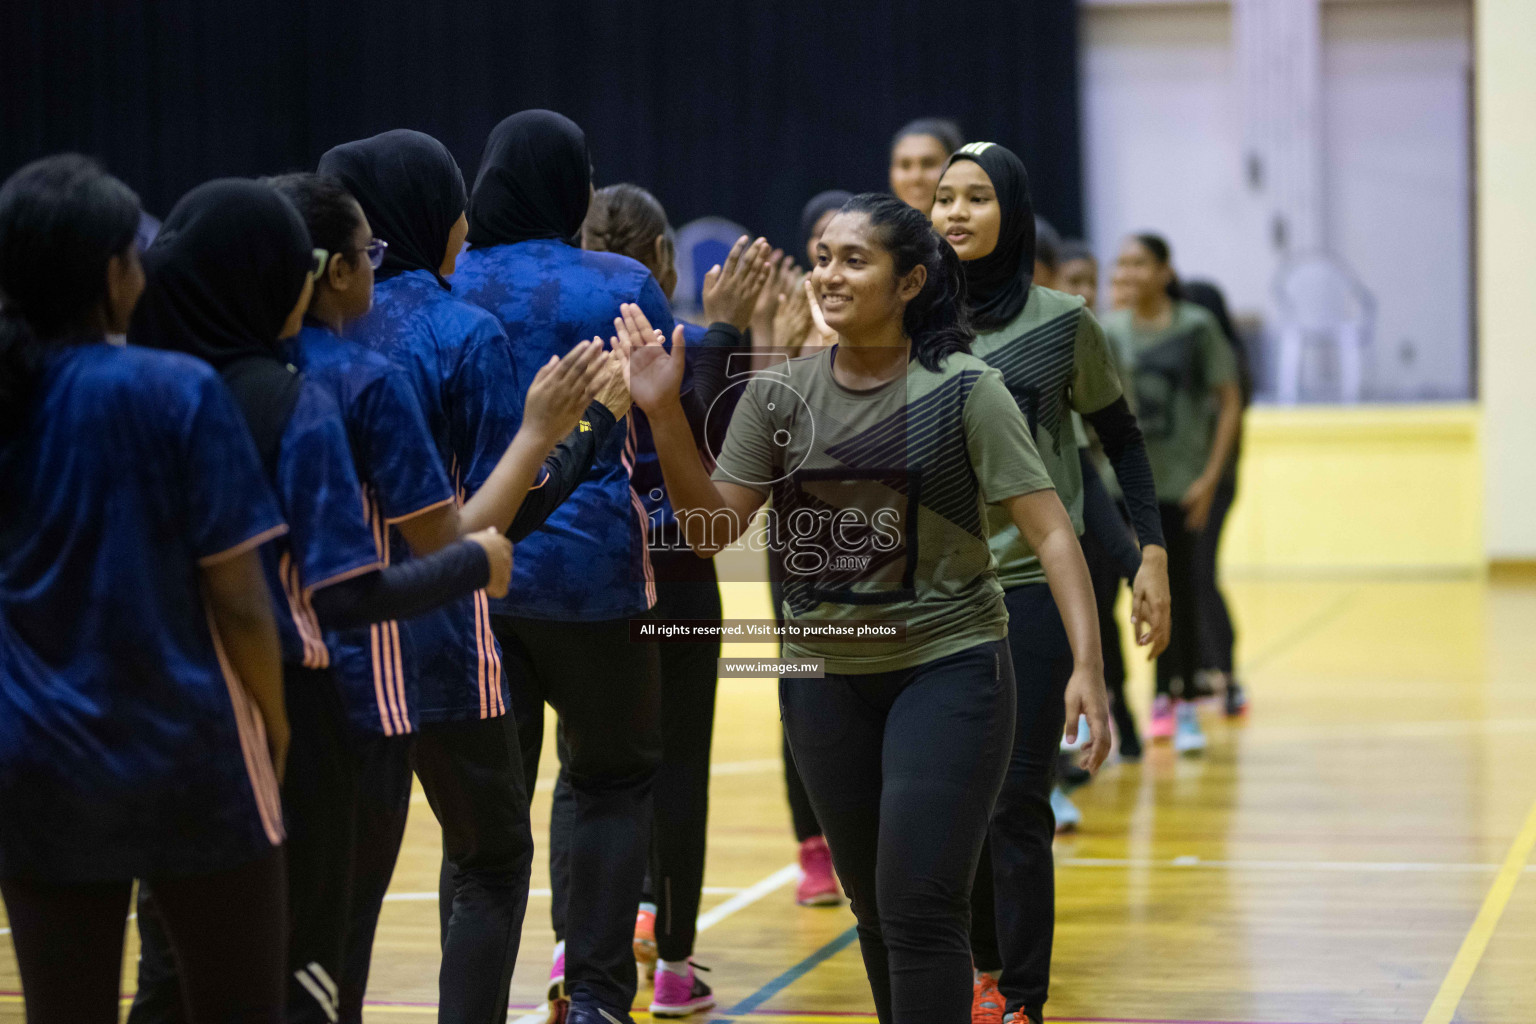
472 774
607 692
1216 633
686 588
228 932
1182 657
1013 905
903 768
319 792
800 812
383 806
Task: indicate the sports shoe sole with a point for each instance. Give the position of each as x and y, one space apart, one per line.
821 899
685 1010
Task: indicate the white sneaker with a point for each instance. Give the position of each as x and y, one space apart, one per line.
1188 738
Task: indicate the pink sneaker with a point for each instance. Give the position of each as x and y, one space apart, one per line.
559 1005
1162 724
818 886
678 995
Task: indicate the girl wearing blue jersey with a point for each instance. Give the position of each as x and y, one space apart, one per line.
229 278
882 453
403 481
565 629
459 364
628 220
141 712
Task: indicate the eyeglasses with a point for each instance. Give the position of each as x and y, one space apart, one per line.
375 250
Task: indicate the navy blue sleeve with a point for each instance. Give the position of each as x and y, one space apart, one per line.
397 450
487 406
229 506
318 486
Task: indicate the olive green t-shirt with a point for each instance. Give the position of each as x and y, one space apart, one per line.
880 498
1174 372
1054 359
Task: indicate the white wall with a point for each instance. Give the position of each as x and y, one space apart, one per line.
1506 194
1396 183
1164 150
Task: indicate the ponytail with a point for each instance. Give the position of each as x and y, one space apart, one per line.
936 318
62 219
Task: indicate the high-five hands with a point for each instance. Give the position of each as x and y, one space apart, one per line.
655 375
561 390
732 289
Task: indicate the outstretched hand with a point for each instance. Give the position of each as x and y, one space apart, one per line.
561 390
821 335
655 375
732 289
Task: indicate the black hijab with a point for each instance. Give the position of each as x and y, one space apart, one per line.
998 283
411 191
820 204
535 181
220 280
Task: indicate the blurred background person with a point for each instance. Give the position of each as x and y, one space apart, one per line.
1179 367
1217 635
918 153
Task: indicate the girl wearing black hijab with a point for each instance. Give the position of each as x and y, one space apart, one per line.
141 714
564 631
228 279
1055 359
459 365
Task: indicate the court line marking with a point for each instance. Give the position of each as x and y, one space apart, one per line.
794 974
423 897
1306 628
748 896
1388 867
1476 943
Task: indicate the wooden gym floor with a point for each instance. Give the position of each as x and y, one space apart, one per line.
1359 850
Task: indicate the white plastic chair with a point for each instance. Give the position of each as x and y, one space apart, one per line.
700 245
1322 303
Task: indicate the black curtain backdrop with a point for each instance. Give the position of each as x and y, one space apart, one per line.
742 110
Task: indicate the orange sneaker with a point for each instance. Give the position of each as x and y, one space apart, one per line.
986 1000
645 939
1020 1017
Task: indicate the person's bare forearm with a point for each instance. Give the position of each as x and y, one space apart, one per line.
1045 526
1228 423
1067 575
496 503
241 607
696 501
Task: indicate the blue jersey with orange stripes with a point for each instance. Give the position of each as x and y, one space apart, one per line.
128 748
589 561
328 539
457 361
396 462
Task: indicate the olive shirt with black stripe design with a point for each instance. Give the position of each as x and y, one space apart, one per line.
1175 372
1055 359
882 497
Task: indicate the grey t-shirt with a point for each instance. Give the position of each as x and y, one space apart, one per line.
881 500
